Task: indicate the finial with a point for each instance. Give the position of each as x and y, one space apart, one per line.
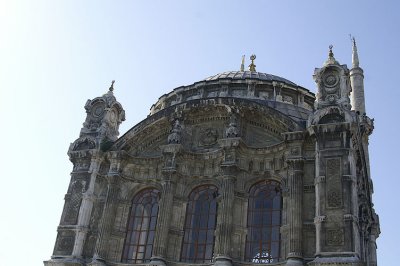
112 85
252 66
331 59
330 51
355 61
242 65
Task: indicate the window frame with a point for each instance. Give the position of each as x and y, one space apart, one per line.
140 225
264 218
200 224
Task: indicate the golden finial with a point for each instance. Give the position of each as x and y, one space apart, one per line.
242 65
252 66
112 85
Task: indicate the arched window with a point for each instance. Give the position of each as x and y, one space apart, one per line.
201 217
141 227
263 223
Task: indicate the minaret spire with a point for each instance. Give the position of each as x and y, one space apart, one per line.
242 65
357 82
355 61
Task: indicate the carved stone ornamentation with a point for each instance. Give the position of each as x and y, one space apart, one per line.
232 130
334 199
175 136
208 137
333 183
290 185
334 237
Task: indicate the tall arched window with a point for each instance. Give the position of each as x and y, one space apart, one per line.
201 217
141 227
263 223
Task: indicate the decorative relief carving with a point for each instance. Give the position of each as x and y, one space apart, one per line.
331 80
232 131
89 245
334 237
350 217
295 151
309 188
334 199
175 136
81 166
333 183
65 243
319 219
84 143
287 99
208 137
73 203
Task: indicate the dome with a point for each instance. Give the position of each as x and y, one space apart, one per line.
240 75
264 88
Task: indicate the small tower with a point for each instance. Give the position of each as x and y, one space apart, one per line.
100 130
104 115
357 83
345 222
336 205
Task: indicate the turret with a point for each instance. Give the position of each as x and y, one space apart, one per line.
357 83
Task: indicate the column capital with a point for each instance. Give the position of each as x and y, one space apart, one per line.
295 163
319 219
229 170
294 136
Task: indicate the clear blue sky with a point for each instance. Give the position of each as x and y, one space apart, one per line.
54 55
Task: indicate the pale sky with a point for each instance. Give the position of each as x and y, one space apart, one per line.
54 55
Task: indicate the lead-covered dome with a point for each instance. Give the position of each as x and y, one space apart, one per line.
266 89
240 75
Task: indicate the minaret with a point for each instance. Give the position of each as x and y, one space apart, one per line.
357 83
242 65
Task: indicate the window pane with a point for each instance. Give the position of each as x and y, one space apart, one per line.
263 222
200 225
141 225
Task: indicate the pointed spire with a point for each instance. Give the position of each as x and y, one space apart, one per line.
355 61
252 66
242 65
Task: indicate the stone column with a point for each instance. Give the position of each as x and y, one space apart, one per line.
319 183
106 222
229 167
170 153
294 214
224 222
163 219
86 209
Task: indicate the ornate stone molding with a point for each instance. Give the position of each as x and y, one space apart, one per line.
319 179
319 219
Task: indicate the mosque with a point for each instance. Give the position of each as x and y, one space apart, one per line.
241 168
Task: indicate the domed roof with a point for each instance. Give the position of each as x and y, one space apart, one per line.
238 75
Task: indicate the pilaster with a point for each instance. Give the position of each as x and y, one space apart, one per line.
169 172
109 211
294 197
294 214
225 224
86 209
224 229
164 218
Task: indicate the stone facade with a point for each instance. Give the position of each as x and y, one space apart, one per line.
230 134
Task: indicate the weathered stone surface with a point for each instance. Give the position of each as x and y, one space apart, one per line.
231 131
